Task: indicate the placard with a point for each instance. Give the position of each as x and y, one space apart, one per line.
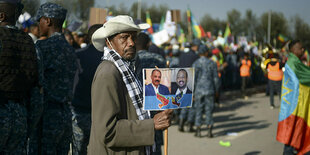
97 16
168 88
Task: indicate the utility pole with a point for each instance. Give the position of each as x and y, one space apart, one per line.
139 10
269 27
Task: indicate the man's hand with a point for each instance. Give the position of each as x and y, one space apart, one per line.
162 120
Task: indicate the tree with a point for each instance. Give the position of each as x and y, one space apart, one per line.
278 25
302 31
78 8
212 25
134 10
31 6
156 12
250 23
119 10
235 21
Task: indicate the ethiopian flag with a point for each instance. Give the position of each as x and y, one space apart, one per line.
149 21
227 31
196 28
294 117
282 38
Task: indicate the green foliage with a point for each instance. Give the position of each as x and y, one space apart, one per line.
156 12
31 6
279 25
235 21
255 28
212 25
80 8
119 10
302 31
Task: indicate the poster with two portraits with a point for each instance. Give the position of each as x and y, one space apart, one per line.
168 88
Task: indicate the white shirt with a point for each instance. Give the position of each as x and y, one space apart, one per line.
178 91
34 38
155 89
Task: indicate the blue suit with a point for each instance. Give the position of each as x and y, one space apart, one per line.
149 90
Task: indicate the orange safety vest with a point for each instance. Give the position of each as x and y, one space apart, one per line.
245 68
274 72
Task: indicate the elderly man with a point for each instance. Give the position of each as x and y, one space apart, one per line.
59 66
155 87
119 125
18 76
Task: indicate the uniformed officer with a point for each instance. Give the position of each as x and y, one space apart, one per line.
60 66
206 84
19 77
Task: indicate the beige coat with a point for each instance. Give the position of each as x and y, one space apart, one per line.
115 128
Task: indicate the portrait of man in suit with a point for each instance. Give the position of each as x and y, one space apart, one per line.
181 83
155 87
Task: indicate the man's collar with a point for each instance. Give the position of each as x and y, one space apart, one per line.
55 34
154 85
184 91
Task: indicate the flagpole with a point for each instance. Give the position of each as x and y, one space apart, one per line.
269 27
139 10
189 28
166 142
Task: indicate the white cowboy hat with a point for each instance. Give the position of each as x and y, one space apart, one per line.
117 24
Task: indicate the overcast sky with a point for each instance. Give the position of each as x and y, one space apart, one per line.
219 8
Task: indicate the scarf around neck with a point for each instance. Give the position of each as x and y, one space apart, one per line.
132 83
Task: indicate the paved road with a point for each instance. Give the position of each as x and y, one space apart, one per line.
252 120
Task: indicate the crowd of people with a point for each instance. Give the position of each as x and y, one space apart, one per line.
59 87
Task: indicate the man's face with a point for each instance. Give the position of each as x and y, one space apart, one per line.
69 38
298 50
181 79
43 26
125 44
36 31
156 76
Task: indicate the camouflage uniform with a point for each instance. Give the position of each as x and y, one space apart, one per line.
36 106
206 84
18 77
60 65
81 124
54 133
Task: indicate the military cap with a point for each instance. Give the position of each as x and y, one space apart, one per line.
187 45
203 49
196 42
51 10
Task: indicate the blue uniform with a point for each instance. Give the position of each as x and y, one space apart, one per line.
18 78
206 84
60 67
